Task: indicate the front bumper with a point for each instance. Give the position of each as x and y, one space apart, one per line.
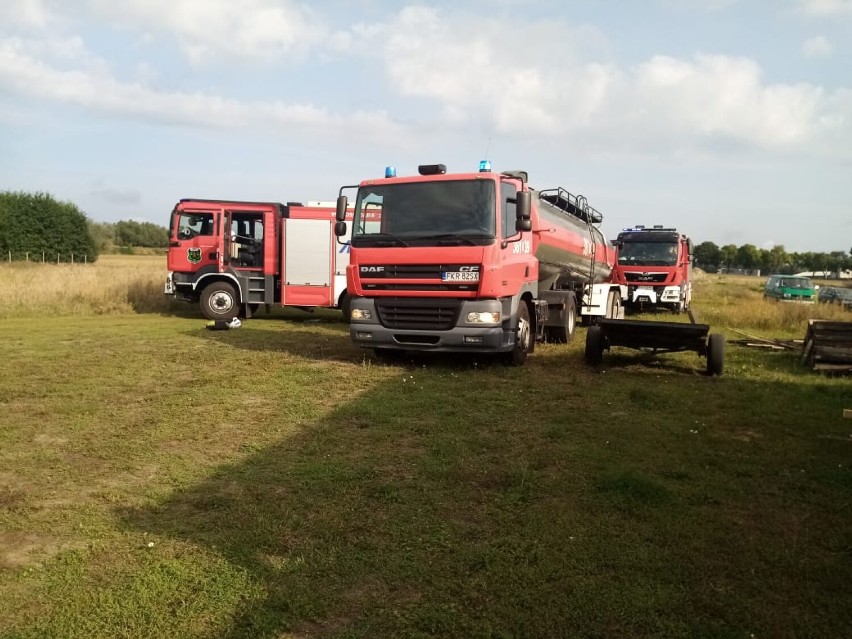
461 337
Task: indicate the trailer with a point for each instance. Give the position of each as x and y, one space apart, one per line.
656 337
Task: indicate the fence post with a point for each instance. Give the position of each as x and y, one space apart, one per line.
42 257
57 258
27 257
72 258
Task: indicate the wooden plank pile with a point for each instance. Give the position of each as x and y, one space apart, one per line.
828 346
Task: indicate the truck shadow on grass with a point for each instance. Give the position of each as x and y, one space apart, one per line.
480 504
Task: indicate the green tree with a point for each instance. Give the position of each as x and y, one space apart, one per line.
748 256
774 259
37 223
707 256
728 255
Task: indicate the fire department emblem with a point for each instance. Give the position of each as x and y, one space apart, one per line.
193 255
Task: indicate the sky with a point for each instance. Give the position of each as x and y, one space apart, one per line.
730 120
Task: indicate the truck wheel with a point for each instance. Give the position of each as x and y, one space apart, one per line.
219 301
345 306
715 354
613 305
565 333
594 345
518 355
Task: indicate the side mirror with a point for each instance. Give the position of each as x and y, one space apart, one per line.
340 229
523 205
340 214
523 225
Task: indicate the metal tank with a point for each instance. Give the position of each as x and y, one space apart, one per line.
570 248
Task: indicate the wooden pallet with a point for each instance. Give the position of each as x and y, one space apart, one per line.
828 346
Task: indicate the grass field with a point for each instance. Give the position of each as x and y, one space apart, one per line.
161 480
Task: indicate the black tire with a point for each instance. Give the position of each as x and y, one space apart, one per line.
523 343
219 301
594 345
565 333
715 354
345 306
613 304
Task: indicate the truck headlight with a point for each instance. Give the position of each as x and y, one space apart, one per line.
483 317
360 314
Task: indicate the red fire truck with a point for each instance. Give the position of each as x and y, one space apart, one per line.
472 262
655 265
232 257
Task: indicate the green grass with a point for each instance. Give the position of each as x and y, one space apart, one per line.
161 480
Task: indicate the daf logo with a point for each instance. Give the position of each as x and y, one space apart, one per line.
372 269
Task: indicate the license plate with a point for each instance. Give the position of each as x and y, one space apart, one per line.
460 276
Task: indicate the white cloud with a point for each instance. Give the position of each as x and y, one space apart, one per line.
817 47
24 74
30 14
826 8
529 82
518 80
215 29
723 96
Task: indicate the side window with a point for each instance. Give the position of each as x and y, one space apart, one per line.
195 224
508 195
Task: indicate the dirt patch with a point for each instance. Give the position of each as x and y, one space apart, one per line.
19 549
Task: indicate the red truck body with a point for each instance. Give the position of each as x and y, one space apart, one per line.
655 265
472 262
232 257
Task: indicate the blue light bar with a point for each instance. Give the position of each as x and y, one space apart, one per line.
390 171
485 166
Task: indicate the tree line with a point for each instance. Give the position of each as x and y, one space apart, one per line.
712 258
36 225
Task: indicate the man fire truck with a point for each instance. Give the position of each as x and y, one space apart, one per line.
472 262
232 257
655 265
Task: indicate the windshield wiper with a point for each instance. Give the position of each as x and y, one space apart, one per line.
382 237
455 237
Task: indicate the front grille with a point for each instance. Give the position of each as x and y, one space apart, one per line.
409 271
418 314
645 278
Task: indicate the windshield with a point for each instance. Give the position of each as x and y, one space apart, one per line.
425 213
796 282
648 253
844 294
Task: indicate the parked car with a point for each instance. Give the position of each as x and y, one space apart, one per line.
790 288
836 295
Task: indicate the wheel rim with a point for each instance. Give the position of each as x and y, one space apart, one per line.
523 333
221 302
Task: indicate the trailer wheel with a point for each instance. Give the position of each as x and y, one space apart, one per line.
594 345
518 355
715 354
219 301
564 333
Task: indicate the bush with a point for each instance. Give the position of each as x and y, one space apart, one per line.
37 223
